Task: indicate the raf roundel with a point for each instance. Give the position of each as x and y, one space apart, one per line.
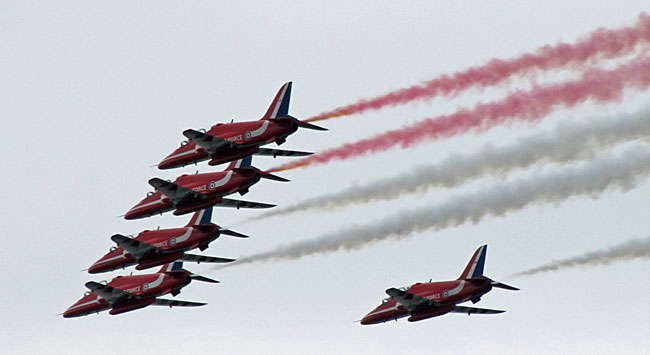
213 185
172 241
145 287
248 135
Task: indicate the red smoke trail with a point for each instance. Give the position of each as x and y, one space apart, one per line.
601 43
597 85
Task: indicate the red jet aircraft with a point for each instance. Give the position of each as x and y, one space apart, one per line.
127 293
225 142
432 299
190 193
162 246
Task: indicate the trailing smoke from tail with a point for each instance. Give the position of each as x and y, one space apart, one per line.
600 44
638 248
622 171
600 86
566 143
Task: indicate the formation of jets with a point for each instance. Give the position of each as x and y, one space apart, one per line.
235 143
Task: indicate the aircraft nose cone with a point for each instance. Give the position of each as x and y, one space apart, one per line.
71 312
135 212
130 215
94 268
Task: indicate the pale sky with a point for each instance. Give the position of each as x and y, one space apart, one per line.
93 94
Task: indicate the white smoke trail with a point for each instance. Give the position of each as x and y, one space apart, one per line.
638 248
622 171
566 143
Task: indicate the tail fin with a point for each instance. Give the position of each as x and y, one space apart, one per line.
280 104
476 264
241 163
201 217
176 265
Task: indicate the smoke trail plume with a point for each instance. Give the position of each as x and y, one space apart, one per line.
597 85
623 171
566 143
600 44
638 248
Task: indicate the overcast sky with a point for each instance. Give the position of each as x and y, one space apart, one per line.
92 94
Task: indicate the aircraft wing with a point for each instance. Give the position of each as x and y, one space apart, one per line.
110 294
210 143
410 301
470 310
282 153
205 259
137 248
178 194
176 303
226 202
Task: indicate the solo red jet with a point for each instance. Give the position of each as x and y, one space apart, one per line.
162 246
127 293
432 299
190 193
225 142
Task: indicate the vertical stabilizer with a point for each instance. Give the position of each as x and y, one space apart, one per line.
241 163
280 104
176 265
201 217
476 264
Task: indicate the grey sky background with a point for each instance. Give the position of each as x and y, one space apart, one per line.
92 94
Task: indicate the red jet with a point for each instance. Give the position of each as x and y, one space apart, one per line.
190 193
432 299
225 142
127 293
158 247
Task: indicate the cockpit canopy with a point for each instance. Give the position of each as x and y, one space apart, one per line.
390 298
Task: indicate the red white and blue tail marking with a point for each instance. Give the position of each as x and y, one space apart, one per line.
280 104
176 265
476 264
201 217
240 163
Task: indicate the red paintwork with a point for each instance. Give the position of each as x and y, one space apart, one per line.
446 293
215 185
148 287
271 130
175 241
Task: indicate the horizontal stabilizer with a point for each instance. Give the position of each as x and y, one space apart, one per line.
503 286
282 153
205 259
203 278
273 177
303 124
232 233
176 303
474 310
